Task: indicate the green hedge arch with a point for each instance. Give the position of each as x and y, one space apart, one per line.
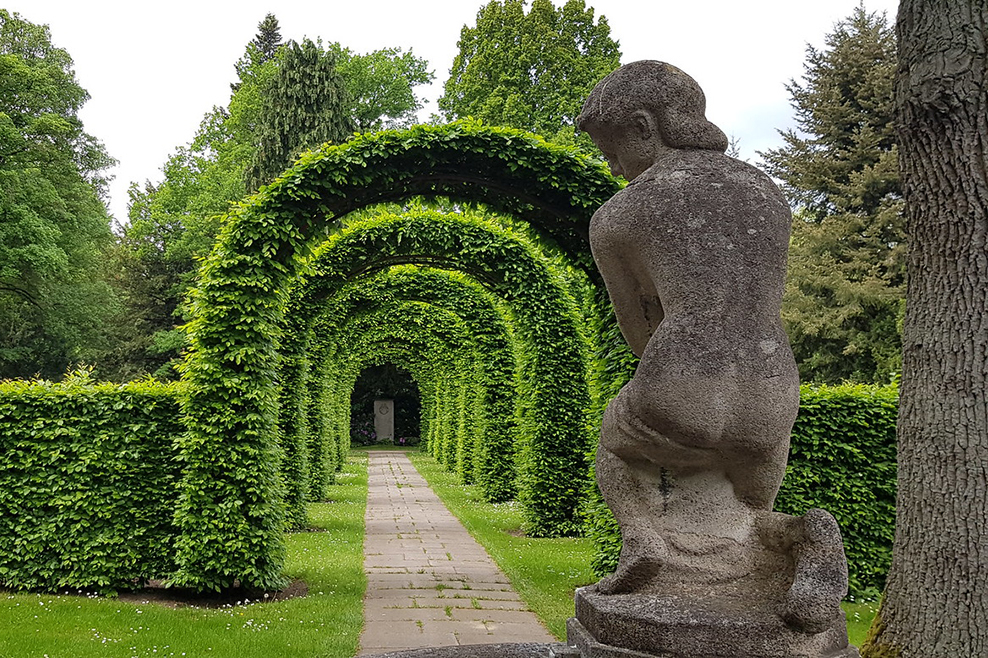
491 462
554 428
449 345
433 334
230 513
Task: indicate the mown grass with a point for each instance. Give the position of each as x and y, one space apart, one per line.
859 618
325 623
546 572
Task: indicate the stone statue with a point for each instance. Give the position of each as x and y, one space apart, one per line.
693 450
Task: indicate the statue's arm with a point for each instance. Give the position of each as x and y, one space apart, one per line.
636 304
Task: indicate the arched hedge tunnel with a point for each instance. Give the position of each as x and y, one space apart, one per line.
489 328
546 319
245 370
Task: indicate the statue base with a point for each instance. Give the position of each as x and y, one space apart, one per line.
658 626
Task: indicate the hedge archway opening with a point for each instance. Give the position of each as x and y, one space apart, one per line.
491 462
553 466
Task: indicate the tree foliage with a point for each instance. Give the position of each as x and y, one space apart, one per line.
844 293
381 86
54 226
303 104
260 50
530 70
174 223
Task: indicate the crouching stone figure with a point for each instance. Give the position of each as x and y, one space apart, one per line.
693 450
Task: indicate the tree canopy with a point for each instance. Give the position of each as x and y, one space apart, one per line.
54 225
380 86
530 70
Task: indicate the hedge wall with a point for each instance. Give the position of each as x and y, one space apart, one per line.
842 459
88 479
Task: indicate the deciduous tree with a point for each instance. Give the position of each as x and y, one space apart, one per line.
381 86
54 225
530 70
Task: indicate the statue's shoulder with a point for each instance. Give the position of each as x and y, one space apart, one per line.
702 173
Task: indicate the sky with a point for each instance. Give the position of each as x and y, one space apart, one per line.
154 68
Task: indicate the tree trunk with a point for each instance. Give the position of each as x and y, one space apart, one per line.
936 599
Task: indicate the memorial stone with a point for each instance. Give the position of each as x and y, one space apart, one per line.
384 420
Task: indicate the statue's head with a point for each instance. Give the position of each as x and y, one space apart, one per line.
644 108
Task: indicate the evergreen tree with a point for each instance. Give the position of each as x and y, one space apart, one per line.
530 71
261 49
845 290
54 227
304 104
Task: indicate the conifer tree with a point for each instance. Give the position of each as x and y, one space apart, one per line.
304 104
844 295
261 49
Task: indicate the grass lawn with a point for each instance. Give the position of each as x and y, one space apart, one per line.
859 616
546 572
326 623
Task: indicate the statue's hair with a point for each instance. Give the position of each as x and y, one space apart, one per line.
671 96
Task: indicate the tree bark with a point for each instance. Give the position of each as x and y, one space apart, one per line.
936 599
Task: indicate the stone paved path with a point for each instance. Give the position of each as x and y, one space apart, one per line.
429 583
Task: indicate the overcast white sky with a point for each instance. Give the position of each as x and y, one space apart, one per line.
154 69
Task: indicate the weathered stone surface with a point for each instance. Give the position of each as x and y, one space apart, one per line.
692 627
693 449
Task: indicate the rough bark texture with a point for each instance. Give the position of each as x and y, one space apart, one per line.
936 600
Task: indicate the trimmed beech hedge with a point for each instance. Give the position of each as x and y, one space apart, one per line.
88 483
230 506
841 459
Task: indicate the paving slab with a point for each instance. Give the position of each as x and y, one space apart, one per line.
429 583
